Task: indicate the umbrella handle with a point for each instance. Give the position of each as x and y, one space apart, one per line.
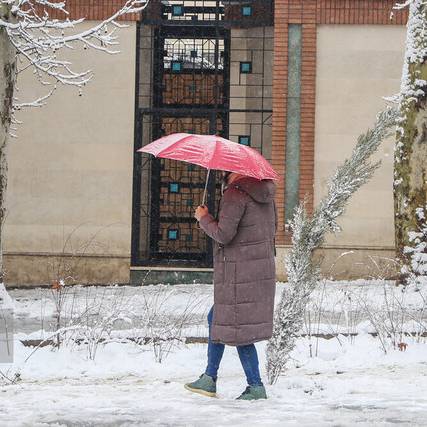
206 187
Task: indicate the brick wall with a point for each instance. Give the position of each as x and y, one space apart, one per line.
262 14
94 10
310 13
358 12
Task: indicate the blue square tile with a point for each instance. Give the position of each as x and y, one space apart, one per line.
174 187
177 10
246 67
176 66
247 10
245 140
173 234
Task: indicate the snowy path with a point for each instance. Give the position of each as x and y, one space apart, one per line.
344 386
350 381
132 401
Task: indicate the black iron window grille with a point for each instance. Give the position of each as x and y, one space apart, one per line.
189 79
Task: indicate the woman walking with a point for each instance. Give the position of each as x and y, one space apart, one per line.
244 278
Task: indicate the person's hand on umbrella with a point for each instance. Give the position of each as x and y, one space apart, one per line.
201 211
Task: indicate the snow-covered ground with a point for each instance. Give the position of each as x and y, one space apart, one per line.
335 306
344 385
347 381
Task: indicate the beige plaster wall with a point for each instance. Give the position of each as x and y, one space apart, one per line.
357 66
70 170
340 263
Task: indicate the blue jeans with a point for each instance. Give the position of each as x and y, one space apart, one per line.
247 354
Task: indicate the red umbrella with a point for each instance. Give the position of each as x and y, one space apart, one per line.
212 152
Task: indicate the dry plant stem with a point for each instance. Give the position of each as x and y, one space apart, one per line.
162 327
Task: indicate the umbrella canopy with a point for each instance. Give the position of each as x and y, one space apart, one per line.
212 152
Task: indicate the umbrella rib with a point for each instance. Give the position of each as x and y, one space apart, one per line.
214 153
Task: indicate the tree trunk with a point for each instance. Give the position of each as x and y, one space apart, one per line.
410 169
7 85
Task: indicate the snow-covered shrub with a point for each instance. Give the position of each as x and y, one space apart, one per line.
102 312
91 323
387 316
314 314
162 325
308 233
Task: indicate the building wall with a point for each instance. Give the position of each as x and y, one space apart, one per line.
351 56
357 66
71 167
308 15
70 174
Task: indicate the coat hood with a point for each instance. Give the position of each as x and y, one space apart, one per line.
261 191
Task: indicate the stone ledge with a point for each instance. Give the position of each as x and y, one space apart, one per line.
170 277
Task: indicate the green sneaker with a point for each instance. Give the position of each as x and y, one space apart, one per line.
253 393
204 385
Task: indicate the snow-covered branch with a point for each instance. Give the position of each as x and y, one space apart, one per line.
405 4
39 39
37 103
309 233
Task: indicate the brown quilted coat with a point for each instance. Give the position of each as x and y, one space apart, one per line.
244 268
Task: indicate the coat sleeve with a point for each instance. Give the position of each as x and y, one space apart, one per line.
232 210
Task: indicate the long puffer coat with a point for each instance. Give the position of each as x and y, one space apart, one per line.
244 267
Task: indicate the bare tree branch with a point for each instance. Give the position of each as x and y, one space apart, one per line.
39 40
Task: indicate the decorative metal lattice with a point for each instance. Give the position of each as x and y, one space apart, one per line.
196 74
181 190
192 10
193 72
